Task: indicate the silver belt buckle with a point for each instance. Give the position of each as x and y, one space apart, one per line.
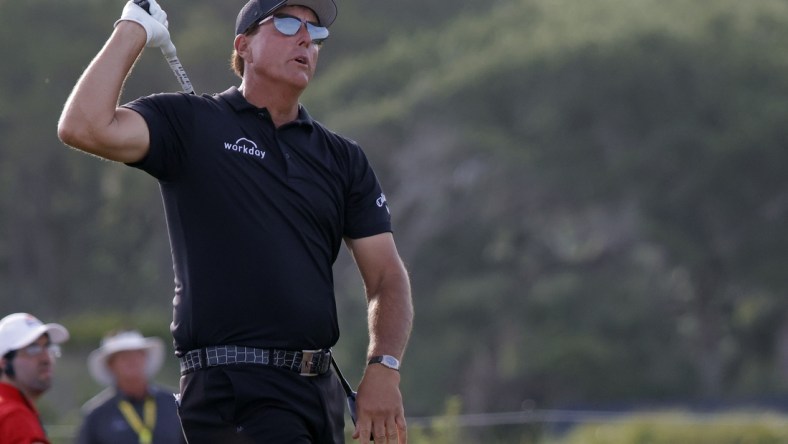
306 362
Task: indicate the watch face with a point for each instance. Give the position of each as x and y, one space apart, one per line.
385 360
390 361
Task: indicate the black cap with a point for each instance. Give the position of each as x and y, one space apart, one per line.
256 10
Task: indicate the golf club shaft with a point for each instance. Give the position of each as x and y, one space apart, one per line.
171 56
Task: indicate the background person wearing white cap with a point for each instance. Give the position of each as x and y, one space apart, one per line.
132 409
28 348
259 199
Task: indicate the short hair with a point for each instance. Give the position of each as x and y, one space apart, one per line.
236 61
8 368
237 64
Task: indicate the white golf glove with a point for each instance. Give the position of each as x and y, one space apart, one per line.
155 23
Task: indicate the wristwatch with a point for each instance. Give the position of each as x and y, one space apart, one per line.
387 360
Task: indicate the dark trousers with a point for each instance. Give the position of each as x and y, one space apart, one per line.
253 404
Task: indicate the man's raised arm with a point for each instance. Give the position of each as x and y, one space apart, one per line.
91 120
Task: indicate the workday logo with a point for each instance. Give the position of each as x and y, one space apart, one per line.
245 146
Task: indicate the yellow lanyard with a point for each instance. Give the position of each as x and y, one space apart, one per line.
144 431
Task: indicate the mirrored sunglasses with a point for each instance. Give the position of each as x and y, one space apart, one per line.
37 349
289 25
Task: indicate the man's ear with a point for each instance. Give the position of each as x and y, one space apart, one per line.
241 45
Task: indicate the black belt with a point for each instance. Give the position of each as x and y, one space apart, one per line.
304 362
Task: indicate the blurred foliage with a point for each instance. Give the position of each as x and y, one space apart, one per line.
647 427
675 427
444 430
589 195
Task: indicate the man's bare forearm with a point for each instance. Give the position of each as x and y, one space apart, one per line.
390 315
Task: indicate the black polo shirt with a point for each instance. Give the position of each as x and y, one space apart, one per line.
256 216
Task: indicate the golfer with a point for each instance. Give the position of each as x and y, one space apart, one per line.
259 197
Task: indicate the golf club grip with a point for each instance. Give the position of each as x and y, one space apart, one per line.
143 4
172 58
180 73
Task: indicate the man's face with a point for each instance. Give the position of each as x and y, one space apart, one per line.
128 365
34 366
280 58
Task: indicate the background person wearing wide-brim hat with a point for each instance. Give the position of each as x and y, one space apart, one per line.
132 409
28 348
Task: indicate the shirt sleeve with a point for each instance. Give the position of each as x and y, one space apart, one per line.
366 211
170 120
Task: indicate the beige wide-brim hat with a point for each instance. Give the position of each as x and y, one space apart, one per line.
124 341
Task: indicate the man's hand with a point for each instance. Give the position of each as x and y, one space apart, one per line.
379 406
155 23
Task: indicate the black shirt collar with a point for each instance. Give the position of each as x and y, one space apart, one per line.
239 103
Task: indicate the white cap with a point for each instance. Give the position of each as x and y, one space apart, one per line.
19 330
124 341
